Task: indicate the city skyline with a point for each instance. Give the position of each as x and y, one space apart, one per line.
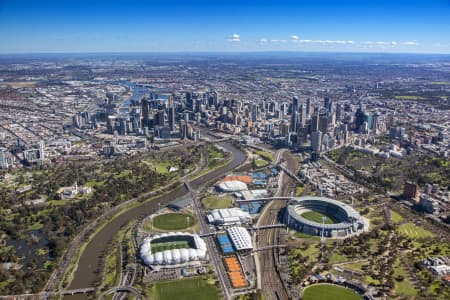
200 26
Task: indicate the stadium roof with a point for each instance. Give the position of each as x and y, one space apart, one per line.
232 186
173 256
240 238
352 214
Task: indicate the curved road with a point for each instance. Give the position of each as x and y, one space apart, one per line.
88 266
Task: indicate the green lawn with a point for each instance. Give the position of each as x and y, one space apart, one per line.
396 217
159 247
302 235
213 202
259 163
162 167
317 217
329 292
173 221
185 289
266 155
299 191
311 251
356 266
404 287
415 232
369 280
335 258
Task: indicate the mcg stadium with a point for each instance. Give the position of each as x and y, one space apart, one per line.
311 215
172 249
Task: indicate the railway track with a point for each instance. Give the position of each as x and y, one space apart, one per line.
271 282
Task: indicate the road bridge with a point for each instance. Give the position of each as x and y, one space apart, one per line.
263 199
119 289
45 295
291 174
269 226
268 248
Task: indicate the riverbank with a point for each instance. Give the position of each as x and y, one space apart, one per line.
89 261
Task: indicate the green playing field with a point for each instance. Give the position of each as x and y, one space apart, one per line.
317 217
158 247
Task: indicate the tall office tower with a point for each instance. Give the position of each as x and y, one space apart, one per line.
189 101
284 128
171 113
294 109
338 112
323 123
344 130
4 159
328 104
316 141
161 118
315 122
145 112
254 112
41 150
308 107
301 116
198 105
183 129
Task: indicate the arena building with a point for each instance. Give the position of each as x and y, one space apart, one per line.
172 249
312 215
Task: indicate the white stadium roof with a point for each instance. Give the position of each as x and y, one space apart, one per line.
174 256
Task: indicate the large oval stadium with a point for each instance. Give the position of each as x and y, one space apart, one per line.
312 215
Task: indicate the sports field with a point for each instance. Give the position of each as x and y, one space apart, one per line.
415 232
158 247
185 289
213 202
329 292
173 221
317 217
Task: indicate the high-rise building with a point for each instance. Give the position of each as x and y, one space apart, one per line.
308 107
41 150
328 104
6 159
294 109
411 191
189 101
323 123
338 112
171 113
301 116
145 112
315 122
316 141
254 112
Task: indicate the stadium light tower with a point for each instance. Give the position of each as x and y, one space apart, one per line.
322 239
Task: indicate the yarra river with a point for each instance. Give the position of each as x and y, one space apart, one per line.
90 260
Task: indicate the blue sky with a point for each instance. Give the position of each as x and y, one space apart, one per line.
216 25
